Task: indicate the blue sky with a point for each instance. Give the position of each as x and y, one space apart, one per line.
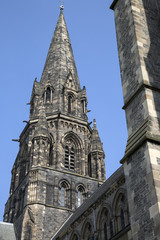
26 30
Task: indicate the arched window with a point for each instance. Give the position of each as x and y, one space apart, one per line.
69 104
87 233
80 195
107 225
89 166
63 194
121 213
69 158
48 94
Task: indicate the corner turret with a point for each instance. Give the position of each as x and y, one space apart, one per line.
96 163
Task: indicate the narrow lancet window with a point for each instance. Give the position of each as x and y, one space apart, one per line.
80 195
48 94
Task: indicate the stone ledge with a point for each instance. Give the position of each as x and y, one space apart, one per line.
43 168
144 138
49 206
141 87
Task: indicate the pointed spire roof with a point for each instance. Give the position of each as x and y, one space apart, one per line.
60 60
95 139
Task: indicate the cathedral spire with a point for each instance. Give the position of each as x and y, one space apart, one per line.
60 60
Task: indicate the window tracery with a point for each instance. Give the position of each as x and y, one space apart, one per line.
73 147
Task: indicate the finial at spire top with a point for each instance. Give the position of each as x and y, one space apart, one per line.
61 6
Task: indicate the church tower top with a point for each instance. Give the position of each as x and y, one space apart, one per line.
60 60
61 160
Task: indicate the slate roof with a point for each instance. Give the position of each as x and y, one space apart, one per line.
7 231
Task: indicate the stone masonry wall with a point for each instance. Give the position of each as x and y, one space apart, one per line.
138 34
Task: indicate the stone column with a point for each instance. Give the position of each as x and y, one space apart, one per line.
138 37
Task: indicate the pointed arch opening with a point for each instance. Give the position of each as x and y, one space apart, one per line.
105 223
120 208
72 145
64 196
75 235
80 195
87 231
70 102
63 193
48 94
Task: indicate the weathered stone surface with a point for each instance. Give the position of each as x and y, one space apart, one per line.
138 34
60 162
110 198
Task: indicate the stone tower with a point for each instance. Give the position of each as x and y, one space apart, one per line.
60 162
138 35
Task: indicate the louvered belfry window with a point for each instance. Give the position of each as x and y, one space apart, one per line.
69 158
